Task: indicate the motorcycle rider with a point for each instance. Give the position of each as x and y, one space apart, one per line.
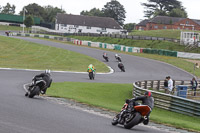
147 99
120 65
91 67
46 76
117 56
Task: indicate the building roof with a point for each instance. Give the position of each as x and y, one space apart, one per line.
143 22
92 21
165 20
196 21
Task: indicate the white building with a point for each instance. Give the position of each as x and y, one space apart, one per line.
86 24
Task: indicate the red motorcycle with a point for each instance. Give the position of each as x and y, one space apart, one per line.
131 115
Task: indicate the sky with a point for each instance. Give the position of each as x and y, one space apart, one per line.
134 9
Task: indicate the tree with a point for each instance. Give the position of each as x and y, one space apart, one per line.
93 12
34 10
129 27
50 13
176 12
29 21
115 10
161 7
8 9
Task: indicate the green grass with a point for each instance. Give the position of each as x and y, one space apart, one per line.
154 44
159 33
112 96
16 53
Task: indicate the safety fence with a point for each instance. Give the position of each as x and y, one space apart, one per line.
115 46
166 101
134 37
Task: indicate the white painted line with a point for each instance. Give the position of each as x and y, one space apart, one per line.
33 70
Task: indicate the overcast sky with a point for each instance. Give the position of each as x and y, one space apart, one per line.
134 9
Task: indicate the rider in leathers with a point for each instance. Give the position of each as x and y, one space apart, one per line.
44 76
147 99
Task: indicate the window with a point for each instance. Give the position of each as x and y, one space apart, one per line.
103 28
75 26
178 28
88 27
187 22
156 27
164 27
65 25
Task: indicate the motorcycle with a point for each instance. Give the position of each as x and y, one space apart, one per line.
91 74
35 87
106 58
121 67
132 116
118 58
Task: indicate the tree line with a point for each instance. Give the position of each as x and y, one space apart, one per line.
113 9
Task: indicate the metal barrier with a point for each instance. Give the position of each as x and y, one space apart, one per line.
171 102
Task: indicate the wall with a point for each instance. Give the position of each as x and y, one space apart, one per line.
84 29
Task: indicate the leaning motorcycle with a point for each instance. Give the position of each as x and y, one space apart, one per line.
91 74
106 58
132 115
36 87
118 58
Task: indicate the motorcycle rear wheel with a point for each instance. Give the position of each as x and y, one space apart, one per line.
133 120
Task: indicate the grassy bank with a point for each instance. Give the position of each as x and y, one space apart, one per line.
12 28
16 53
112 97
154 44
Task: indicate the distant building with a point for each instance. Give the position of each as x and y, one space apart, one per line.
86 24
165 22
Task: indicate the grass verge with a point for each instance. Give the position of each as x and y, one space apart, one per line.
112 96
154 44
16 53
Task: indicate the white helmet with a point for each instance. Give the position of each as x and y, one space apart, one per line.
47 71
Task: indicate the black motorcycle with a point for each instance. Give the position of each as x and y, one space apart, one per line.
106 58
132 115
36 87
91 74
121 67
118 58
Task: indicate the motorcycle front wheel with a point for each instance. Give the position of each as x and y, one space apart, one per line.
34 91
115 120
132 120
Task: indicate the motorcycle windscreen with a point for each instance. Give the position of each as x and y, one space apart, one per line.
143 109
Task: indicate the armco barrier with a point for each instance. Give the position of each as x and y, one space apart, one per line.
170 102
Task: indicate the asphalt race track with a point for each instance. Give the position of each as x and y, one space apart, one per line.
19 114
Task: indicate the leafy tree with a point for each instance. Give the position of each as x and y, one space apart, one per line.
161 7
115 10
176 12
50 13
34 10
8 9
129 27
29 21
92 12
0 8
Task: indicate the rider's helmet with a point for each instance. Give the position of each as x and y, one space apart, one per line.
147 93
47 71
116 55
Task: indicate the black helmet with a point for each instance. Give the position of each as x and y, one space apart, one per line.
147 93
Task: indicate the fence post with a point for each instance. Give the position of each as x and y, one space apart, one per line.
152 84
158 85
145 84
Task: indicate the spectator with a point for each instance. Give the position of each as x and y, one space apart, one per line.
170 84
194 85
166 84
